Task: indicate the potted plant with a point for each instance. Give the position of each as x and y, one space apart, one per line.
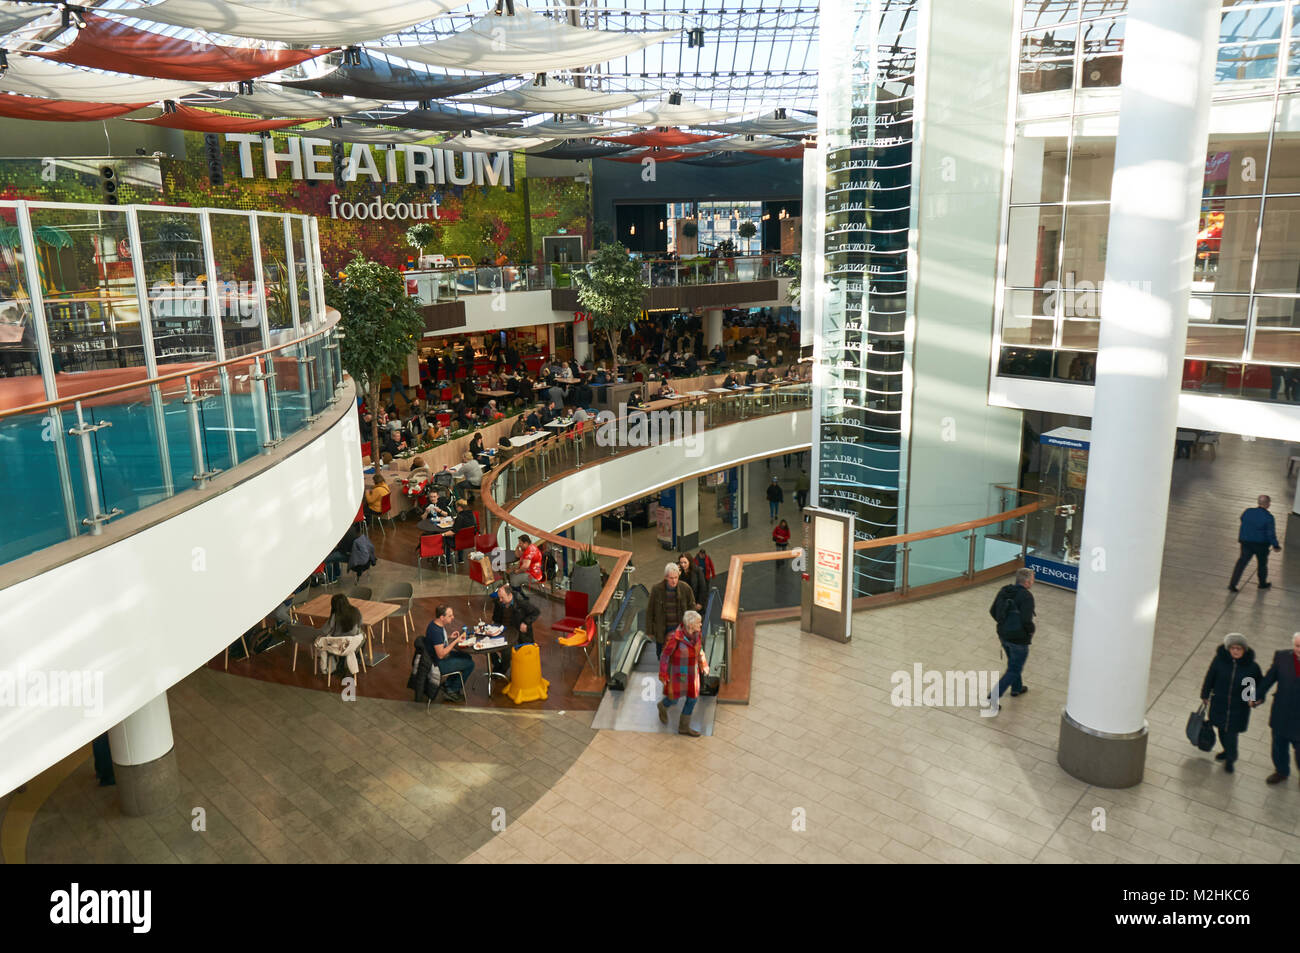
585 575
747 230
690 229
419 236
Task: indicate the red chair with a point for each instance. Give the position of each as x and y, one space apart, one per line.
430 548
584 638
365 450
444 420
446 393
638 378
485 543
361 514
464 539
480 571
385 508
576 605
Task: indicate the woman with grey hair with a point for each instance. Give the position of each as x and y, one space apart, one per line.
1231 684
680 668
670 600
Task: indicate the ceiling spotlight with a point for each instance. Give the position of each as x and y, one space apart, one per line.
352 56
4 61
674 99
71 16
246 87
695 38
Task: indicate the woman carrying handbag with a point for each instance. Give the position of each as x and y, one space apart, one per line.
1230 686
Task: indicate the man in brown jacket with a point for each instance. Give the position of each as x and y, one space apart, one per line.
670 600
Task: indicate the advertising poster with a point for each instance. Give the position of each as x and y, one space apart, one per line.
828 564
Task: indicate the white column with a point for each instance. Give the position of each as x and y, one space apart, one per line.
144 759
143 736
581 342
812 226
413 369
1169 60
712 328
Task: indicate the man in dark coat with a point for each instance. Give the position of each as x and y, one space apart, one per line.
1284 718
1229 688
517 614
1013 610
669 602
1257 533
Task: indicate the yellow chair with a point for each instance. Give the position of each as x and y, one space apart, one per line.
526 682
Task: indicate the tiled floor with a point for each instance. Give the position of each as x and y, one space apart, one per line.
819 767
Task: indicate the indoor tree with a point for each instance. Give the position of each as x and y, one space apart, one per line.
610 288
419 236
380 326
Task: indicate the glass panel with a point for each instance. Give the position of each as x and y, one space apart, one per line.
289 402
1040 13
1279 248
937 560
1212 377
1025 362
238 295
172 248
216 420
1225 245
279 309
1080 334
1084 260
300 268
1276 322
1094 8
244 420
1092 158
1038 163
1270 382
128 466
18 352
1103 47
1027 317
1033 235
1047 59
1076 366
1234 165
91 307
1221 341
30 467
1246 61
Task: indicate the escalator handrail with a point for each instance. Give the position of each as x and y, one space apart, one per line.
618 618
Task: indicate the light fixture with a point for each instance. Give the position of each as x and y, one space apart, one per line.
695 38
72 15
661 224
4 61
631 229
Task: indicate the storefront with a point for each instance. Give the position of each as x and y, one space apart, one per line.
1054 532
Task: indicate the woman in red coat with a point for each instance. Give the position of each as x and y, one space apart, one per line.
781 535
680 668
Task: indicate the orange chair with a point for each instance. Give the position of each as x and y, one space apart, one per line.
430 548
584 638
576 605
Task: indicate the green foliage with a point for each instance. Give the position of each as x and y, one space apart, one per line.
792 267
690 229
586 557
421 235
747 230
380 324
603 234
726 248
610 288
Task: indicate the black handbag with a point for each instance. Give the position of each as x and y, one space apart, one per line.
1199 731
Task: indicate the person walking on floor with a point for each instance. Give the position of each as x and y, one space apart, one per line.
669 602
781 535
1229 687
1284 718
680 668
775 497
1013 610
801 487
1258 532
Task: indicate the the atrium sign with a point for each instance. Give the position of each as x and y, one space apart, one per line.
309 158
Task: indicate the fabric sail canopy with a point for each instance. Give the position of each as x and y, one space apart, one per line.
659 155
569 129
480 142
328 22
268 100
675 114
379 79
107 44
525 42
742 144
201 120
29 76
579 149
363 132
662 137
556 97
52 110
445 119
768 126
15 16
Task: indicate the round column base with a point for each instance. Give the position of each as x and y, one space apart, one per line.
1100 758
150 787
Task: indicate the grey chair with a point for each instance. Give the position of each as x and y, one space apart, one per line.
305 636
400 594
360 592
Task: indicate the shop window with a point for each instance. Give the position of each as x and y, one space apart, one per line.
1103 48
1221 378
1038 162
1225 245
1223 341
1083 264
1047 59
1075 367
1272 382
1027 317
1025 362
1033 235
1234 165
1277 330
1092 158
1080 333
1279 248
1041 13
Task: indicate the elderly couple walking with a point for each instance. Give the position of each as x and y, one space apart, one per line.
677 630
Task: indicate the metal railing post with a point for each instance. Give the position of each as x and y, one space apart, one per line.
261 411
906 551
970 563
1024 537
201 473
82 432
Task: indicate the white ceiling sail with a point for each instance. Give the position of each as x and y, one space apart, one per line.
15 16
362 132
31 76
481 142
676 114
767 126
569 129
525 42
304 22
557 97
739 144
268 100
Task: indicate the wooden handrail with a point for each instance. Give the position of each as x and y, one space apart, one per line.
862 544
736 569
164 378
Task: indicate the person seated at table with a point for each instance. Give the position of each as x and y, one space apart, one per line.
519 426
505 450
476 445
444 642
375 496
730 380
534 419
556 396
435 432
717 355
464 520
666 391
514 612
579 416
391 443
634 400
338 557
465 418
344 623
574 371
751 377
439 503
601 378
490 412
471 469
529 565
752 360
692 366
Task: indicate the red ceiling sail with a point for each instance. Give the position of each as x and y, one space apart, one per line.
661 137
788 152
108 45
201 120
659 155
56 110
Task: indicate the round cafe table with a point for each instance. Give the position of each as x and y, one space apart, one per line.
489 630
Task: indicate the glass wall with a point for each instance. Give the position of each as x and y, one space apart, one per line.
1244 314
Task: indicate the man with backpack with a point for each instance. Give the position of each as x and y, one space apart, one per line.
1013 610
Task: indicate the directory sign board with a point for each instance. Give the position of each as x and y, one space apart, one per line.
828 597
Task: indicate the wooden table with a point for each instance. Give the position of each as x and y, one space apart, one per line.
491 394
371 613
526 439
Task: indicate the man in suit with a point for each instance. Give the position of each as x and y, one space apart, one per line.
1257 533
451 660
1284 718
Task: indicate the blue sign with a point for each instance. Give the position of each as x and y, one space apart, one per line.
1054 573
